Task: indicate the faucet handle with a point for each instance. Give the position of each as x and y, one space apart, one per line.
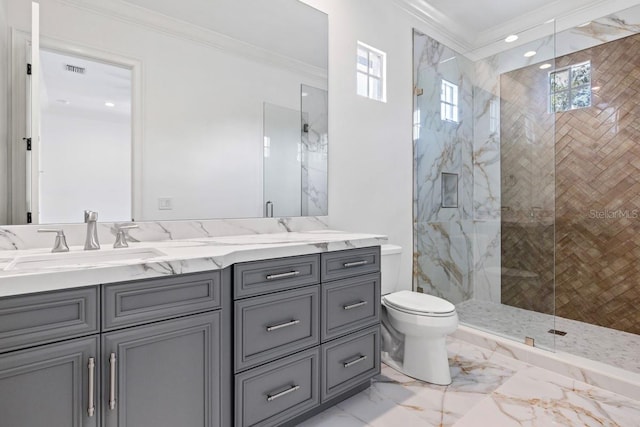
90 216
60 245
121 235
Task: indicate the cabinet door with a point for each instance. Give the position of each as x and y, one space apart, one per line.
50 385
164 374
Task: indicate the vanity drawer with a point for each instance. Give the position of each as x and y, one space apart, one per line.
278 391
260 277
274 325
27 320
349 263
350 304
150 300
349 361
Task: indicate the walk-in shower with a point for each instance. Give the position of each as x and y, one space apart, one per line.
540 143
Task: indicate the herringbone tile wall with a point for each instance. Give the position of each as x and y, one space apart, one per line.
597 192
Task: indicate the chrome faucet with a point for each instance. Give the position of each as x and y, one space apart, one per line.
91 242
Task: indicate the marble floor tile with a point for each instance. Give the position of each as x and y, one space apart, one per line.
488 389
537 397
395 399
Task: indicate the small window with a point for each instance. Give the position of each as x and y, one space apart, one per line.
570 88
449 102
370 72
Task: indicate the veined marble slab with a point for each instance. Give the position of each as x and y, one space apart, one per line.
176 257
18 237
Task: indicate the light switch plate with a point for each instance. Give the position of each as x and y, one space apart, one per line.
165 204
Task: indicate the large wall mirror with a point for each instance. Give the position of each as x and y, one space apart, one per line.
164 109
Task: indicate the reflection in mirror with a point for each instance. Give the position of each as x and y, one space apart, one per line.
201 74
85 117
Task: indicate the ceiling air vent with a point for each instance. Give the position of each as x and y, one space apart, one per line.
75 69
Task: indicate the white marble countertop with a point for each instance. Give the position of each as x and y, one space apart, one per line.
79 268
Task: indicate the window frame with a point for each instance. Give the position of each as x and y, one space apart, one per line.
449 104
569 90
369 74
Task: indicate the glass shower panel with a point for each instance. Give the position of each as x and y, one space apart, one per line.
484 194
315 144
443 188
282 161
527 190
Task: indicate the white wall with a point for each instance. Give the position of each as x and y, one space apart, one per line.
202 113
4 101
370 149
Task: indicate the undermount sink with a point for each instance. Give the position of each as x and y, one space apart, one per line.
81 259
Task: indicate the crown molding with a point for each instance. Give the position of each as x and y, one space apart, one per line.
437 24
125 12
530 26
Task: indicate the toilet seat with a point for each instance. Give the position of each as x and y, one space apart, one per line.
419 304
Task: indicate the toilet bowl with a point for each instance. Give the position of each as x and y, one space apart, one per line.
423 321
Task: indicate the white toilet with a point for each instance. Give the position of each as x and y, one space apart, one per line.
424 320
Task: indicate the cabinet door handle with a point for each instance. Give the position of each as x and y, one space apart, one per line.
112 381
282 325
92 371
355 264
356 305
282 275
272 397
355 361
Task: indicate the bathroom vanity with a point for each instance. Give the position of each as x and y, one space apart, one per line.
268 334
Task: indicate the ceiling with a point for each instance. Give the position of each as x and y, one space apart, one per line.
295 30
477 28
86 91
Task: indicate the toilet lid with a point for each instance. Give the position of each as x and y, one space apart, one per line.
417 303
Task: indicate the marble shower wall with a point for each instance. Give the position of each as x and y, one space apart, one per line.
315 131
454 247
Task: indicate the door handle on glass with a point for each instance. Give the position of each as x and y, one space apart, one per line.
355 264
271 397
282 325
92 370
112 381
353 362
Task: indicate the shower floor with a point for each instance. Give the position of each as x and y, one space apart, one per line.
616 348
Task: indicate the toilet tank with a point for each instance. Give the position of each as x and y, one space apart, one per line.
390 268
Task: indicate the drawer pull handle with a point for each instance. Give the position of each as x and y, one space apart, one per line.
282 275
92 372
354 362
355 264
356 305
282 325
272 397
112 381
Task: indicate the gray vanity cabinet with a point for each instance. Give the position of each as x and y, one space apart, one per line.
51 385
152 352
159 369
46 383
163 374
306 334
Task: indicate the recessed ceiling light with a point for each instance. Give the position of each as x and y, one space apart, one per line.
110 104
511 38
305 94
585 24
545 66
530 54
